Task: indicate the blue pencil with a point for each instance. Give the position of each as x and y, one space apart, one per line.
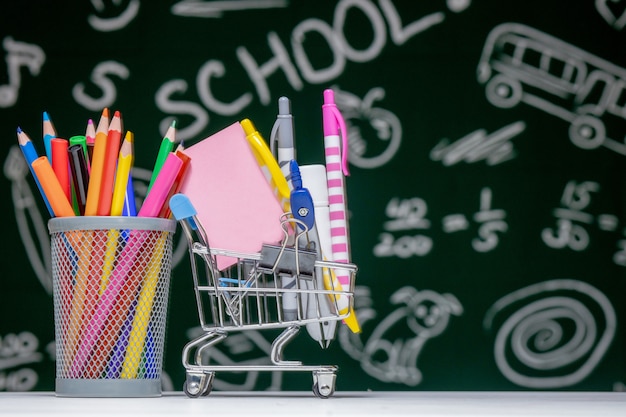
30 154
49 133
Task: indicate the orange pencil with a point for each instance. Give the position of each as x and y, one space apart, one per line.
60 164
97 165
52 188
114 138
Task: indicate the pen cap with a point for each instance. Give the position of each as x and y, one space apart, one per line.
314 178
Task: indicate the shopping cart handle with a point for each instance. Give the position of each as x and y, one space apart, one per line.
182 209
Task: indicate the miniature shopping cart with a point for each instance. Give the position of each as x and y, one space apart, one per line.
283 286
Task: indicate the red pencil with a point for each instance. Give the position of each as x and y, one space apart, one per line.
114 138
60 164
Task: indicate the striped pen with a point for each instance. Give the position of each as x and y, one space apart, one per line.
336 168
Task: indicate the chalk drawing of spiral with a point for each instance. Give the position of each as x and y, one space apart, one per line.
552 334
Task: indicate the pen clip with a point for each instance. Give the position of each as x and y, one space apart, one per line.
344 139
274 138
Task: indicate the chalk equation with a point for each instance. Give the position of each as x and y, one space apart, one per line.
17 352
573 221
411 214
570 231
552 334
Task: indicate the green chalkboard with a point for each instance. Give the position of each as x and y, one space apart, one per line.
487 173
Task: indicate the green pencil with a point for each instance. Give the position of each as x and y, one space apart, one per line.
167 146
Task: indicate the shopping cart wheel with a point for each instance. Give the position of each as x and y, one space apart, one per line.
197 385
324 384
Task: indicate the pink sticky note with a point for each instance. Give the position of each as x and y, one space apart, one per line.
235 203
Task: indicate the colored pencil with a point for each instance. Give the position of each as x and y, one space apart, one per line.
49 133
90 140
167 145
30 154
97 165
114 137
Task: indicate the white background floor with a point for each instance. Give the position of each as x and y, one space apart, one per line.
292 404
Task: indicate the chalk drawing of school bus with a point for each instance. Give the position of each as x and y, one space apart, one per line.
522 64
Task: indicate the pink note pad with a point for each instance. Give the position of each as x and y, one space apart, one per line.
234 201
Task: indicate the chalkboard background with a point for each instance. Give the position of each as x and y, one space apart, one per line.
489 236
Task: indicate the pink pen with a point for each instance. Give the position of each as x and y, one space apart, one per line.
336 168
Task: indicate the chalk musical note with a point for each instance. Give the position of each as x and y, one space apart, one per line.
19 54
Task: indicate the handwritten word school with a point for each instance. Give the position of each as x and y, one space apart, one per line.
297 64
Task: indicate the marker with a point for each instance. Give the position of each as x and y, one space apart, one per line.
30 154
60 165
114 137
81 140
336 149
268 163
167 146
52 188
49 133
80 175
283 134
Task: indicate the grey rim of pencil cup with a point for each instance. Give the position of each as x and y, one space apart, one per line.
82 387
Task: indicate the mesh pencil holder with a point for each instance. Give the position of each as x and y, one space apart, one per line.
110 287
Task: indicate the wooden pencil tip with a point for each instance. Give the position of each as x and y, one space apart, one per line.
117 114
19 130
46 117
105 112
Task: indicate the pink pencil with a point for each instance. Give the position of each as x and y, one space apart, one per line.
155 199
123 275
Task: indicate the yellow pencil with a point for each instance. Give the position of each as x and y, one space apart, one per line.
124 164
137 338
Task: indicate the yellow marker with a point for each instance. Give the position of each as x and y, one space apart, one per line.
331 283
268 163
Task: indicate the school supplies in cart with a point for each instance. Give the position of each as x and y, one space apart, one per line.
259 261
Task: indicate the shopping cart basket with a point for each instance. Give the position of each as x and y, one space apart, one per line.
283 286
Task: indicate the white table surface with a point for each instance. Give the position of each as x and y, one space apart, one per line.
293 404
